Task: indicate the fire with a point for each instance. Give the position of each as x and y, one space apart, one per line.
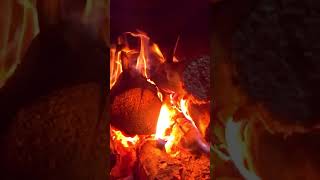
238 148
166 127
155 48
115 66
126 57
125 146
184 108
125 141
123 56
173 140
16 33
139 59
163 122
142 59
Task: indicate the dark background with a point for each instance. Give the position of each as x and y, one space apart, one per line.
163 21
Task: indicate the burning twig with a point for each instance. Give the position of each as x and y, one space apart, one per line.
171 57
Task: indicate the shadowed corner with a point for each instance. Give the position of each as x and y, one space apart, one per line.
54 122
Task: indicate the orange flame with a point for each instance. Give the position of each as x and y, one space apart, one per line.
141 60
184 109
168 128
155 48
173 141
125 141
115 66
164 122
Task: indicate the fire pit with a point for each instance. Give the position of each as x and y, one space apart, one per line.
158 118
159 90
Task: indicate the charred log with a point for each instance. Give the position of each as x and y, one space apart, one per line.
191 76
135 106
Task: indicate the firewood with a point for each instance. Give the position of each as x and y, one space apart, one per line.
58 136
190 76
155 163
134 110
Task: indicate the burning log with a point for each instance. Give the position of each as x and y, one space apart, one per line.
135 99
155 163
192 79
135 106
61 136
186 77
